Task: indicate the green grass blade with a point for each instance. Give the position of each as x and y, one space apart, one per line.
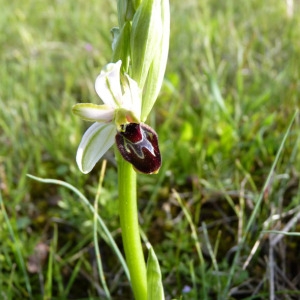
282 232
256 209
76 270
18 248
197 245
96 244
51 260
90 206
211 254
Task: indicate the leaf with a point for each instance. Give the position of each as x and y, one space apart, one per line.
154 283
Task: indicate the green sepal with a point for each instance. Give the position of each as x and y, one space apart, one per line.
154 283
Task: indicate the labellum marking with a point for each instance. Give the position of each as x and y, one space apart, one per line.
138 144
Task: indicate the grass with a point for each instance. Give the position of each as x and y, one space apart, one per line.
231 90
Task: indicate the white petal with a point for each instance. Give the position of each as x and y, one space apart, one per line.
108 86
132 98
94 112
95 142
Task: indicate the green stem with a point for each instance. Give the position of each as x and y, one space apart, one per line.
130 228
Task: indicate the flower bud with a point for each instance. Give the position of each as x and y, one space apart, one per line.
145 38
149 49
158 66
126 10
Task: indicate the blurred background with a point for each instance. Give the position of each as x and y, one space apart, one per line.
231 89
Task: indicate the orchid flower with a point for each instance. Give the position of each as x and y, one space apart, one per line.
122 106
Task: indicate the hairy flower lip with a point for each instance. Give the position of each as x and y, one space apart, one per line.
138 144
